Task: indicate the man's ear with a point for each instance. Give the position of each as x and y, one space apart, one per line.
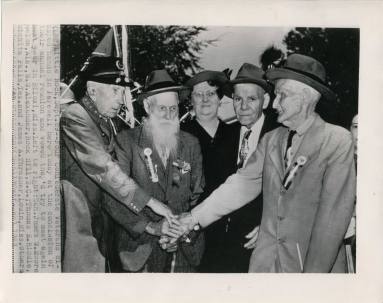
266 100
307 95
90 88
147 105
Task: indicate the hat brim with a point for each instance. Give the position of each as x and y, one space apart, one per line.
162 90
206 76
176 89
266 86
218 77
281 73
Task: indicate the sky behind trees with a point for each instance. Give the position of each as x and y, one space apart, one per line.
237 45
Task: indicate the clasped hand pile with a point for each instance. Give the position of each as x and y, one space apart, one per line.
172 230
175 228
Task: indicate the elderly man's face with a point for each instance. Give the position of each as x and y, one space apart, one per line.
205 101
248 101
108 98
163 106
289 102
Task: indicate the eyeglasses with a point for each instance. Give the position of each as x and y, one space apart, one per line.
199 96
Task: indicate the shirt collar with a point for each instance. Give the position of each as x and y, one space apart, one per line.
256 126
92 109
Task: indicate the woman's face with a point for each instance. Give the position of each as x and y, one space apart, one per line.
205 101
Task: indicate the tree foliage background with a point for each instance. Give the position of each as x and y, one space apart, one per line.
175 48
338 50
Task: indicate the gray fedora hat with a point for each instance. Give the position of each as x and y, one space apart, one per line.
250 73
304 69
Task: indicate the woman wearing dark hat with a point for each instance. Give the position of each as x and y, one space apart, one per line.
219 145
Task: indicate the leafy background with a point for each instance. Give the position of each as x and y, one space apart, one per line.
178 49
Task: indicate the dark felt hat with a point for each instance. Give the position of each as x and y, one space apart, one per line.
249 73
159 81
306 70
219 78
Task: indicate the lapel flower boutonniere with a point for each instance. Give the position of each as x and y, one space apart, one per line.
300 162
183 166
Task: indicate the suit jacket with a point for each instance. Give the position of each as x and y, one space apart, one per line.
243 220
310 218
180 190
87 151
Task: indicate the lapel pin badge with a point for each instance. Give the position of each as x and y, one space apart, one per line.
152 169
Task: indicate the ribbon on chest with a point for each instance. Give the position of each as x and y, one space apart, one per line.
149 162
288 179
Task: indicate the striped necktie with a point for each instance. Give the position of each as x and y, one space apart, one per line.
244 148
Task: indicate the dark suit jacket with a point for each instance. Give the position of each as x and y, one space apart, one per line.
243 220
234 257
179 190
219 162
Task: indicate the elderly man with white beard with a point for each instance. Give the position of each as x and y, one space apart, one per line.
167 164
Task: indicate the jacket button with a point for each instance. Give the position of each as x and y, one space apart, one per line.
280 218
281 240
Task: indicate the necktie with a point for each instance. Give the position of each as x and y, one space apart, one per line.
244 148
287 157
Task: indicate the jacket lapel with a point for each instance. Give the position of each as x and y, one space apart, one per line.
309 147
311 142
276 153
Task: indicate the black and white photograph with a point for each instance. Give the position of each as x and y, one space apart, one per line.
208 149
191 151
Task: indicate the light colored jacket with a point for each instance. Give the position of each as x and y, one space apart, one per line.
311 216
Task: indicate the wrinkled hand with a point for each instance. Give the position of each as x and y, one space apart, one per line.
168 244
164 228
188 223
253 236
162 210
173 229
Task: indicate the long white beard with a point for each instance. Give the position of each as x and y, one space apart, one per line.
164 134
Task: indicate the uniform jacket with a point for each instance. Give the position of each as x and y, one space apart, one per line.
311 216
180 190
87 148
